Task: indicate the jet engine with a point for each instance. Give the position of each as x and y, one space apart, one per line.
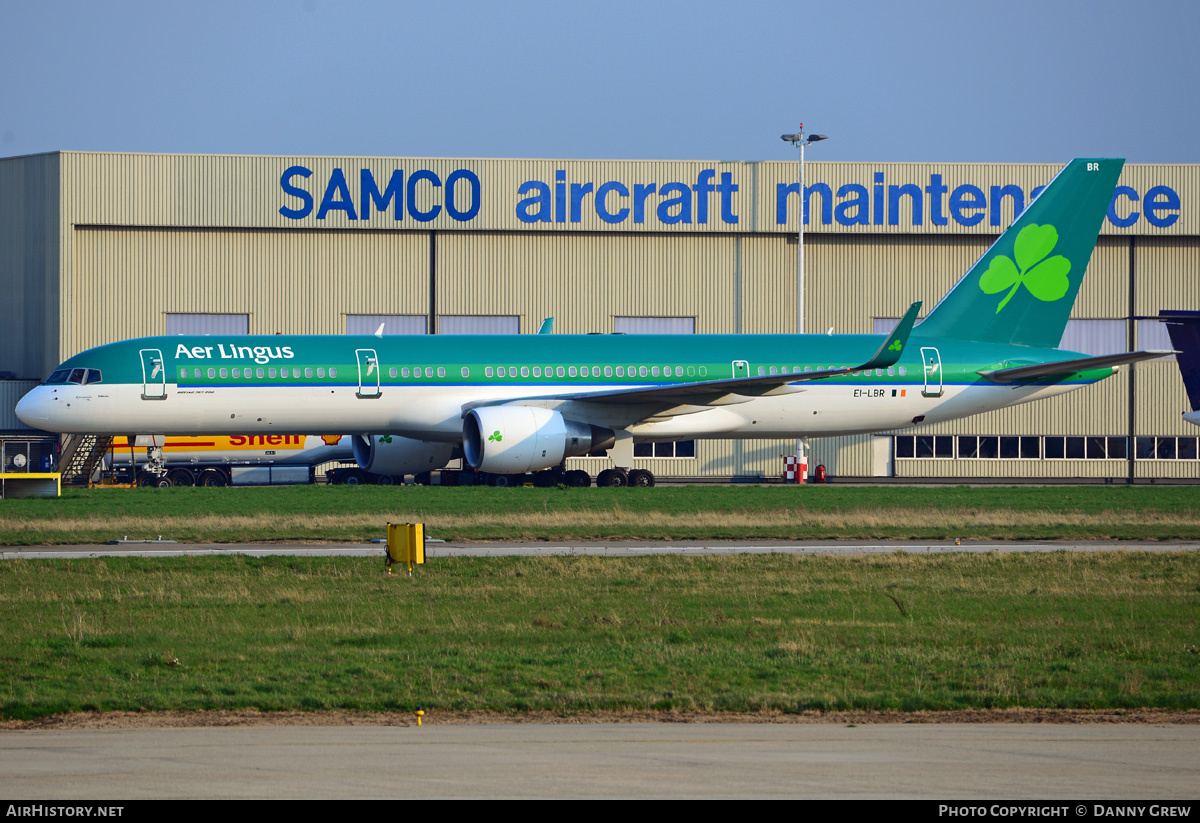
518 439
391 454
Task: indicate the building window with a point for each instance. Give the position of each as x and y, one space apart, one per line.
1009 447
479 324
1094 336
392 323
654 325
1153 335
208 324
671 448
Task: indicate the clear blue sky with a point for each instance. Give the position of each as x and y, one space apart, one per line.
1018 81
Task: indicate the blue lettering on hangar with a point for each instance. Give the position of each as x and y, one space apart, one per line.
675 202
615 202
461 196
967 205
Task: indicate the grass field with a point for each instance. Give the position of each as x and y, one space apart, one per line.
342 513
582 634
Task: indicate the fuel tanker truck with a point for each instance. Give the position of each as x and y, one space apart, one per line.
238 460
277 459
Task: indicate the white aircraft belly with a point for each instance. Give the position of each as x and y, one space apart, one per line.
435 411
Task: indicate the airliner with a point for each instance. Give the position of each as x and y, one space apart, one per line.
1184 328
523 403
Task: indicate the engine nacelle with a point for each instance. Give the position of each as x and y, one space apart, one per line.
518 439
392 454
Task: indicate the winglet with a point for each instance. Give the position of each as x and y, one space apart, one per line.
893 347
547 326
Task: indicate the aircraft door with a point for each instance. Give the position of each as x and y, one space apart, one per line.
741 368
154 375
368 373
931 359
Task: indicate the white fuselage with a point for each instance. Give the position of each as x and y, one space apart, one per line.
435 412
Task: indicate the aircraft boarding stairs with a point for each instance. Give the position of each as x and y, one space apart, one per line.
81 456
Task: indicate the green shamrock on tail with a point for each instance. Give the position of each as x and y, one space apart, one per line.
1046 278
895 346
495 437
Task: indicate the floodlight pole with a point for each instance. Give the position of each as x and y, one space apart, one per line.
800 140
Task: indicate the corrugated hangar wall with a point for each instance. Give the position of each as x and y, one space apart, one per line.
99 247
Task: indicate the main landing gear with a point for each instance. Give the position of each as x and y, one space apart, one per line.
620 477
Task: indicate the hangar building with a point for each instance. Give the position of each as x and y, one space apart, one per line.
96 247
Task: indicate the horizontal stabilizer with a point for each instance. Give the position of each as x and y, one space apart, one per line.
1057 368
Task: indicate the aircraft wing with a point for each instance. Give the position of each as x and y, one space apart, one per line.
1058 368
759 386
624 407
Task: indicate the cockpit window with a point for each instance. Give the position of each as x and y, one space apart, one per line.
81 377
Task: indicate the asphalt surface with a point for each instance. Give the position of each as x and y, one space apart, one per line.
1008 761
617 549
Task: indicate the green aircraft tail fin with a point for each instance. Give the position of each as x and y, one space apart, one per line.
1022 289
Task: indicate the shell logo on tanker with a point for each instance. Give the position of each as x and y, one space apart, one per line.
331 439
249 441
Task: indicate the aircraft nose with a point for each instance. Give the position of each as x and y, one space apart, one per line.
34 408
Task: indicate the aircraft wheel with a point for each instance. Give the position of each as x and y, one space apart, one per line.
182 477
422 479
385 480
213 478
163 482
641 477
612 477
578 479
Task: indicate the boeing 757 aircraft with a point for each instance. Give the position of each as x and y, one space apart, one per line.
521 403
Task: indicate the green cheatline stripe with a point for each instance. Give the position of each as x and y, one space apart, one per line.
478 373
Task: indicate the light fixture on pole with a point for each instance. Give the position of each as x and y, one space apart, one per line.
800 140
